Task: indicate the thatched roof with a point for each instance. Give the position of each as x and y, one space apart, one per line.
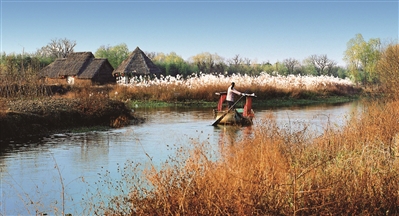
82 65
72 65
137 64
93 68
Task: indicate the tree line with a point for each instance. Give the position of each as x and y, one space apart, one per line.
361 57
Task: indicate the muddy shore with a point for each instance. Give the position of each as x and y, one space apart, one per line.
23 118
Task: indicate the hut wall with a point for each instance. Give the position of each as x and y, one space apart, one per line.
55 81
104 76
83 82
51 81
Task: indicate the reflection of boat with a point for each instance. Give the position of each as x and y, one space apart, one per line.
234 116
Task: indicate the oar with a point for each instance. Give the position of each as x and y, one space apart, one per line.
221 117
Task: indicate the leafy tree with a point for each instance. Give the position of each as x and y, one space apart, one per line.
43 58
256 68
209 63
341 72
308 67
172 64
3 62
388 70
280 68
268 67
171 58
57 48
20 67
362 58
114 54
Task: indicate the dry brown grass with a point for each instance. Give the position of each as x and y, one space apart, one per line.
172 92
388 70
350 172
16 83
3 108
162 93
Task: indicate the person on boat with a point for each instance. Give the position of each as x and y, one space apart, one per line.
230 94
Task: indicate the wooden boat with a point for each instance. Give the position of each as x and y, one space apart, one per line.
233 116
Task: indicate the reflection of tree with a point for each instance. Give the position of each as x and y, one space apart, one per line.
3 166
93 148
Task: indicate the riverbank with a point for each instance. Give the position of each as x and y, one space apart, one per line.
26 118
39 117
272 102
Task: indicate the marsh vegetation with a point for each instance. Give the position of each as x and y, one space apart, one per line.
351 171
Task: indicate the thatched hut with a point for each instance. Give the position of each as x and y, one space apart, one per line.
79 67
137 64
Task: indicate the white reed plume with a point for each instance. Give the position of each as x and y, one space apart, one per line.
194 81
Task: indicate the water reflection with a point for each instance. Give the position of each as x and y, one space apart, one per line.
314 119
31 171
229 134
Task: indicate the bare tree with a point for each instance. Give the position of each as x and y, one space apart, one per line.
330 67
321 63
247 61
58 48
236 61
291 64
151 55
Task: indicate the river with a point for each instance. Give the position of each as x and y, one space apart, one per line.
62 170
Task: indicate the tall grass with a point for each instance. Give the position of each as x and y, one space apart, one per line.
203 87
22 82
352 171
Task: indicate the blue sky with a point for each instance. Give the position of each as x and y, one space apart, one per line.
258 30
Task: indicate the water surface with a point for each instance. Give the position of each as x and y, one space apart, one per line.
33 173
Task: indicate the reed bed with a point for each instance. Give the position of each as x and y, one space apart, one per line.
22 82
353 170
29 85
24 90
203 87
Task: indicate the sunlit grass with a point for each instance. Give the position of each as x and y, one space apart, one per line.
272 172
203 87
350 171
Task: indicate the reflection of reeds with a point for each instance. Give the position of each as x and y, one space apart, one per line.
353 171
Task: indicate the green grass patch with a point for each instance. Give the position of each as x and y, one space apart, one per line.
160 104
288 102
273 102
87 129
